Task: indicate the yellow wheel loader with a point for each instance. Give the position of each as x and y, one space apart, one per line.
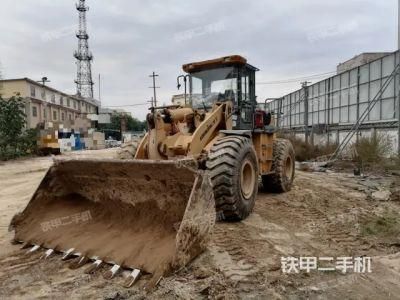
201 160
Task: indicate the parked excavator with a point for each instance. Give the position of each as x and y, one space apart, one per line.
201 160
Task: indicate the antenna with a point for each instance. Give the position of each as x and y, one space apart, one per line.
84 82
43 80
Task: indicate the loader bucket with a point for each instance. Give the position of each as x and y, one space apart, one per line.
154 216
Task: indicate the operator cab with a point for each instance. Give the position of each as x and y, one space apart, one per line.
228 78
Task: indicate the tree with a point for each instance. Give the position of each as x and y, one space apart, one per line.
132 124
13 137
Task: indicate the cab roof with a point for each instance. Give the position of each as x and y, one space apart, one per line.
232 60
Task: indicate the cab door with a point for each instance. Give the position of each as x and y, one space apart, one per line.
246 98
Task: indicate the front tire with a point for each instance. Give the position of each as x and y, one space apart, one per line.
283 168
233 167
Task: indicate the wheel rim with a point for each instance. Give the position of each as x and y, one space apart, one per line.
247 179
288 167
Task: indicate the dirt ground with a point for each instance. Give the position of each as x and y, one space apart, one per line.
325 215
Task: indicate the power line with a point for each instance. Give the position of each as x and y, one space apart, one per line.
268 82
298 78
126 105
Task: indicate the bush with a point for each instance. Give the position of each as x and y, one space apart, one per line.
387 224
28 142
373 150
305 152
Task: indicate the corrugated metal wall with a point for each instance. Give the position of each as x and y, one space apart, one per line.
339 100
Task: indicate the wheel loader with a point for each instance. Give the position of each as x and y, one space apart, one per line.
201 160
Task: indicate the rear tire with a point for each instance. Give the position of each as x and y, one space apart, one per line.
233 167
283 166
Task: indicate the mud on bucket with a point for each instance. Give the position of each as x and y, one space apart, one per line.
155 216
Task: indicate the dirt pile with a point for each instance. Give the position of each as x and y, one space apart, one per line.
128 150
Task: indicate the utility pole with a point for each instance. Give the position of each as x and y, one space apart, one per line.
99 87
304 85
154 87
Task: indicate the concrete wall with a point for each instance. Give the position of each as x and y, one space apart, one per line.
179 99
12 88
33 120
337 136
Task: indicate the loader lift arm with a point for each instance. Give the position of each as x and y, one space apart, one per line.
158 143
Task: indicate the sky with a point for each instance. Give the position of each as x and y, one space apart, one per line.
131 39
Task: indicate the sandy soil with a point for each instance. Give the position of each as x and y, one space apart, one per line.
324 215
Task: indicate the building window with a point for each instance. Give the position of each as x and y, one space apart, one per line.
62 116
53 98
34 111
74 104
61 100
70 117
54 115
68 102
44 113
33 91
43 94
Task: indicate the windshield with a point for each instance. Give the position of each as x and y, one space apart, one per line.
210 86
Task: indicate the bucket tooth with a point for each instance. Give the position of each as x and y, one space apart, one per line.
132 278
94 266
79 262
47 254
15 242
33 249
110 274
26 245
68 253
